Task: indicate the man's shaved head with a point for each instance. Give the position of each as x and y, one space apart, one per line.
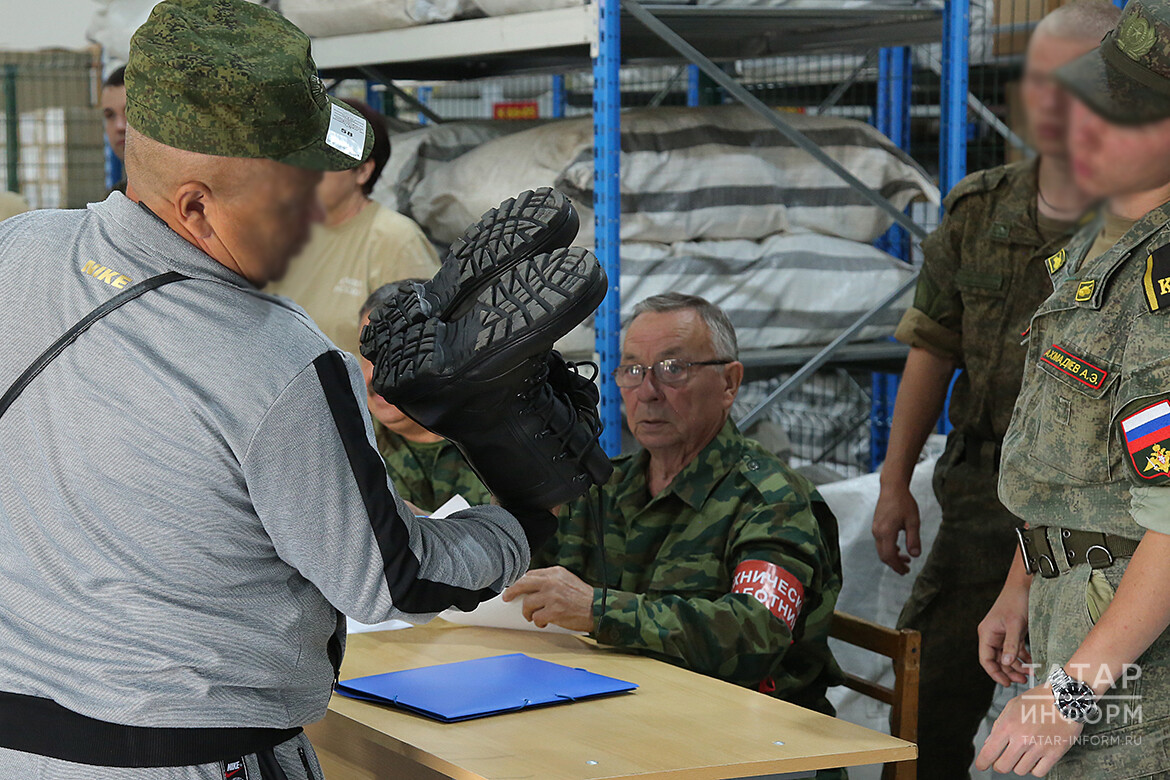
252 215
1081 19
158 170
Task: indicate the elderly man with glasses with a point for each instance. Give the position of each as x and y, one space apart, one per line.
716 557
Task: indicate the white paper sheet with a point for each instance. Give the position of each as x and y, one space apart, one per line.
497 613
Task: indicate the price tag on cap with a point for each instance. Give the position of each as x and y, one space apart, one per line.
347 132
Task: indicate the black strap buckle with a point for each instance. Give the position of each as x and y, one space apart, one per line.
1037 561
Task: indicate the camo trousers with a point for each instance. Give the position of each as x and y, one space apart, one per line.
1132 738
959 582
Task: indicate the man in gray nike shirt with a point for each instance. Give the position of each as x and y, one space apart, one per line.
190 495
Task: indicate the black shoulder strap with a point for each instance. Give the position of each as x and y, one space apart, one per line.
46 357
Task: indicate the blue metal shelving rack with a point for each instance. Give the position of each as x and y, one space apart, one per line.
607 211
892 119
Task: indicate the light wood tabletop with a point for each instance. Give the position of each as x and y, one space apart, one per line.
678 724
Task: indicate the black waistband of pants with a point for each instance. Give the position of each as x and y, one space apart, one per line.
32 724
981 453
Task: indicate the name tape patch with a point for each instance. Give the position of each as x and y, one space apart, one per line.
1077 367
347 132
1145 432
773 587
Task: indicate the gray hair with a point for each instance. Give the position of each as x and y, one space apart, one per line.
722 331
1081 20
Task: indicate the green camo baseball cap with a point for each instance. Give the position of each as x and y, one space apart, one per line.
234 79
1126 79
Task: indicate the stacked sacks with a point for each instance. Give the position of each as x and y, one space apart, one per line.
713 200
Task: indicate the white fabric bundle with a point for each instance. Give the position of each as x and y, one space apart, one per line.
789 289
686 174
320 18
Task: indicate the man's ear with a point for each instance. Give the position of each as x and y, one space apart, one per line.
192 202
364 172
733 378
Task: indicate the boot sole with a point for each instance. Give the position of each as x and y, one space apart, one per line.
526 309
532 223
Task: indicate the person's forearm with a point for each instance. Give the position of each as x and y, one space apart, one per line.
1138 614
921 394
1018 577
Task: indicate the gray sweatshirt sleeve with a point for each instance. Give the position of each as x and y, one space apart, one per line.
321 490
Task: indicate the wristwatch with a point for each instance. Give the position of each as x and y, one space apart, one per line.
1074 699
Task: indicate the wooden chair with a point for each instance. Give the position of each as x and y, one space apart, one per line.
904 648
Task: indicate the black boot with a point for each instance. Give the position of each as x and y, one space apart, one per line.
481 378
534 222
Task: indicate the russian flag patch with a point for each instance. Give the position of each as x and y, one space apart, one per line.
1146 434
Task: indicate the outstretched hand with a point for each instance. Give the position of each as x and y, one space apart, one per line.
555 595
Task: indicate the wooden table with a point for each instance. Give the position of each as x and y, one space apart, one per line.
677 725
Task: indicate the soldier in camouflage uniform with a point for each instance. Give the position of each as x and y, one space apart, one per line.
984 274
428 474
426 469
717 557
1085 459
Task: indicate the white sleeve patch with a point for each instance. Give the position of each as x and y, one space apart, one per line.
347 132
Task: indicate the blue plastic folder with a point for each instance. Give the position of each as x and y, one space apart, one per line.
485 686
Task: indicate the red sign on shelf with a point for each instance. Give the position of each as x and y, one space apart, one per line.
527 109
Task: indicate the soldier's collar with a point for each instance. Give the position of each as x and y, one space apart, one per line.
699 477
1091 281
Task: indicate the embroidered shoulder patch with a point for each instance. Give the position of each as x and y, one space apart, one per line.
1077 367
1056 262
773 587
1157 279
1147 435
1085 289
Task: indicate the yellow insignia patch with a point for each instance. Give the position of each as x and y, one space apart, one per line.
1056 262
1085 289
1158 461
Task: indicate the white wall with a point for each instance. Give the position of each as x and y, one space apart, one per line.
38 24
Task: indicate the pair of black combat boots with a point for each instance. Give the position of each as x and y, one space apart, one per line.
469 354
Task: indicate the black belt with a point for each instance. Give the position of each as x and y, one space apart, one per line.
1096 549
981 453
42 726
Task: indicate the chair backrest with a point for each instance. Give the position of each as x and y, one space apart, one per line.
904 648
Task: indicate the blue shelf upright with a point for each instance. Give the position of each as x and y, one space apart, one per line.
558 97
424 97
892 119
375 98
607 211
692 85
953 136
952 150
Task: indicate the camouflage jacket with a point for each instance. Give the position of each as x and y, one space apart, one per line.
732 571
428 475
1087 446
982 277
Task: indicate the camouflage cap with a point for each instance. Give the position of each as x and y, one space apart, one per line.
234 79
1126 79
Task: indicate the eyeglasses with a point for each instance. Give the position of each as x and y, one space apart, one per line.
672 371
